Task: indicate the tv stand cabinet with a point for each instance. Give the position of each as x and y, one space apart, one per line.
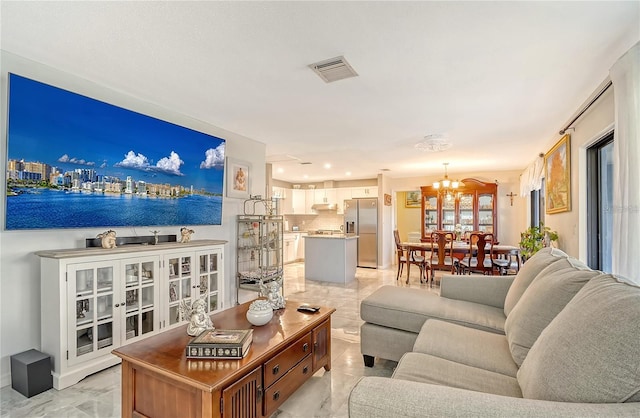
94 300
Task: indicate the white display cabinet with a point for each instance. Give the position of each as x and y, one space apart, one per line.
95 300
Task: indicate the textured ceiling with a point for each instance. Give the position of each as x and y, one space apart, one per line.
499 79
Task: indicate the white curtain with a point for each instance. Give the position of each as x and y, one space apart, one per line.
531 177
625 75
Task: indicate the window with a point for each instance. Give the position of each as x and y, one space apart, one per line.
599 203
537 206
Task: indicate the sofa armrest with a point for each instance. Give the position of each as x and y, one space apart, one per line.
382 397
486 290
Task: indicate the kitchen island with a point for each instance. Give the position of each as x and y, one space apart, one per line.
331 258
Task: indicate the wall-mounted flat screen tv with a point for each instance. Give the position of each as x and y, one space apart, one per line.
77 162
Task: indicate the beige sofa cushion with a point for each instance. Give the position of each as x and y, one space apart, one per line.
473 347
590 352
425 368
407 309
547 295
528 272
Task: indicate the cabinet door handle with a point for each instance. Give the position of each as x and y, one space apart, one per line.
276 369
305 347
117 304
259 390
305 369
123 303
276 396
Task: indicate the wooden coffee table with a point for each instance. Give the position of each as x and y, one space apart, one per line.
159 381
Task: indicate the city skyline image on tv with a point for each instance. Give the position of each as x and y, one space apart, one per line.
77 162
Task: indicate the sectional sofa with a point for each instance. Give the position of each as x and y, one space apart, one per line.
559 339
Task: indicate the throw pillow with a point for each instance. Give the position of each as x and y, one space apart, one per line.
590 351
528 272
549 293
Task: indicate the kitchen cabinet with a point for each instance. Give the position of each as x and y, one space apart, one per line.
290 247
259 250
363 192
298 202
300 246
473 206
279 192
342 194
321 196
95 300
309 201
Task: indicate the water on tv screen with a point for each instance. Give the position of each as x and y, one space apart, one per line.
77 162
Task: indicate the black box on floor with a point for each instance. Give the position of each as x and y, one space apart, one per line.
31 372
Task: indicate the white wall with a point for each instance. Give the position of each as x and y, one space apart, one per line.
20 269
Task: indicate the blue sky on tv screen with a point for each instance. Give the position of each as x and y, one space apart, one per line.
70 131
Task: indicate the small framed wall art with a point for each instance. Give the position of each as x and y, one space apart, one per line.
412 199
557 169
238 178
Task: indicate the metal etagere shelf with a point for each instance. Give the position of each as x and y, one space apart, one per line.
259 247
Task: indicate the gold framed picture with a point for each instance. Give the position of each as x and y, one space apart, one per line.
557 175
412 199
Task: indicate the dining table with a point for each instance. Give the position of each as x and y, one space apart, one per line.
461 248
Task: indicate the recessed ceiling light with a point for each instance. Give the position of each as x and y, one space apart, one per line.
281 170
348 173
305 176
327 165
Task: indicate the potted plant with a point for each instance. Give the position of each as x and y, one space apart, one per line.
534 239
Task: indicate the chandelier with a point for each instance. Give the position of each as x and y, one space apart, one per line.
446 186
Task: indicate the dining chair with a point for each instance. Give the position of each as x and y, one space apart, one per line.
507 263
479 258
408 257
441 252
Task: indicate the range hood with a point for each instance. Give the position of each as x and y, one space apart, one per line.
324 206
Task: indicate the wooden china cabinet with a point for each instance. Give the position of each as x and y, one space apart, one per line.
473 206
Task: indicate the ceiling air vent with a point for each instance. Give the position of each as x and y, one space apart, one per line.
333 69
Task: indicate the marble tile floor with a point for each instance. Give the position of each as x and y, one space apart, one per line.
324 395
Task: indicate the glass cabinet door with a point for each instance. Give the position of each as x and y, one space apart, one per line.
91 293
430 214
139 299
485 212
209 276
448 213
180 286
465 212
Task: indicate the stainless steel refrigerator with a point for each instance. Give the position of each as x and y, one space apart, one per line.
361 218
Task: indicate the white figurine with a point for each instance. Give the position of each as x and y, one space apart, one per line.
108 239
198 318
185 234
273 294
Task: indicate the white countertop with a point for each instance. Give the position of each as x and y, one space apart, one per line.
334 236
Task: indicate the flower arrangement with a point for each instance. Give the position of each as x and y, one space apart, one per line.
458 230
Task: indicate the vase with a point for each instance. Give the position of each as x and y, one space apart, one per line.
259 316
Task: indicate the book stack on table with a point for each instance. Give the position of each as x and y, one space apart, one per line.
220 344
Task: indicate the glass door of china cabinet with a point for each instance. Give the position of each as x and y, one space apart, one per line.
92 310
466 213
180 286
209 278
448 213
139 298
485 212
431 214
